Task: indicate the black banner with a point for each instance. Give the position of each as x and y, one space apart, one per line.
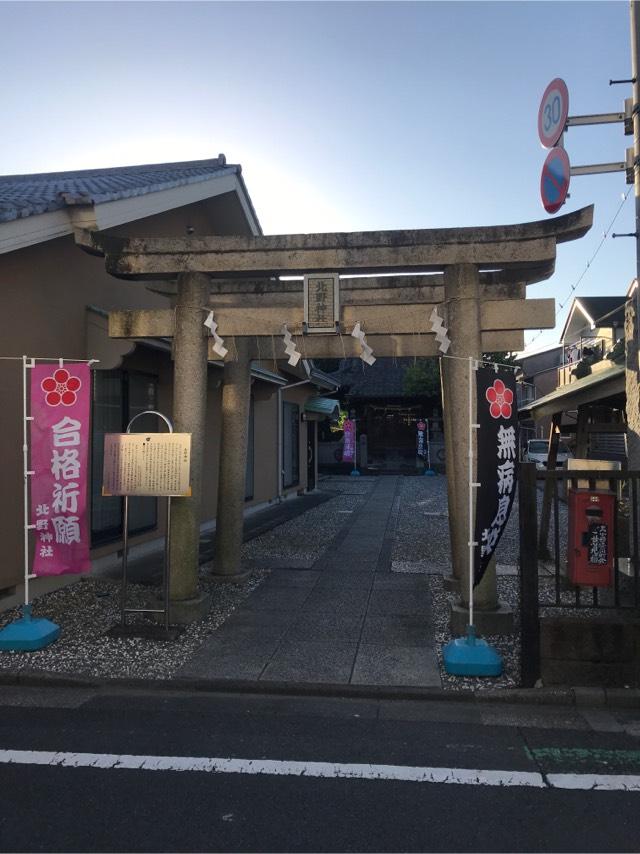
497 461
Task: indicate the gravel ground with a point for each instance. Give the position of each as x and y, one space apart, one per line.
89 608
507 645
85 611
306 537
423 529
423 526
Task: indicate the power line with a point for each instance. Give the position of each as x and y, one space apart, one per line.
574 287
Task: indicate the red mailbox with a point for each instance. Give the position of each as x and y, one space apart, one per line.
591 537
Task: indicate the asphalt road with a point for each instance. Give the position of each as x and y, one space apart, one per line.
61 803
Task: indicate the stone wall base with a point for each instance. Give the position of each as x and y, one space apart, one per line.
184 611
602 651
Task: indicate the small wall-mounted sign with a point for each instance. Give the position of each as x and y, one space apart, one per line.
322 302
146 464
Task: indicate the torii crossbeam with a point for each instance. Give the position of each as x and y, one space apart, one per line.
477 278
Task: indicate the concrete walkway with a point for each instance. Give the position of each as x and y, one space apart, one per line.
347 620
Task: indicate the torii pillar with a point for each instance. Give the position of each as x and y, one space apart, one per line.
462 309
234 437
480 283
189 409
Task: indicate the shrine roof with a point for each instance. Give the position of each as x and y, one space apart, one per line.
23 196
383 379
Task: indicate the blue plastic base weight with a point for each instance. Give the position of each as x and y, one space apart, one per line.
471 656
28 633
355 473
429 472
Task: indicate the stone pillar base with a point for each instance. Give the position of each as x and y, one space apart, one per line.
185 611
451 583
229 578
498 621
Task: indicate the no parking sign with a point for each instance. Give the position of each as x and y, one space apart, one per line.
554 181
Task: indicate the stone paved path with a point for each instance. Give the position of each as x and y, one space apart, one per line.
348 619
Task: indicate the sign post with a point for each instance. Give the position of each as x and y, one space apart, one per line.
554 119
146 464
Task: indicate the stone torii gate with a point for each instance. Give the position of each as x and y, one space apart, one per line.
476 277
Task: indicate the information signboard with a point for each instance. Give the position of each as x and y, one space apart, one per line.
155 464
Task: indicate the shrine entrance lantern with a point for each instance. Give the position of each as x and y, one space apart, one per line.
591 537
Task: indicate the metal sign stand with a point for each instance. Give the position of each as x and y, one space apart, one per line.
146 630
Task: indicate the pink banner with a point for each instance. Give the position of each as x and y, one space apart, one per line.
349 447
60 401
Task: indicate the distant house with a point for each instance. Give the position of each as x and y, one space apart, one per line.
592 328
537 377
55 303
587 400
386 416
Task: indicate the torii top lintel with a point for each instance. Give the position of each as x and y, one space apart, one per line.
529 248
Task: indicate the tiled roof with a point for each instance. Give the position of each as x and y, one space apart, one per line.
385 378
26 195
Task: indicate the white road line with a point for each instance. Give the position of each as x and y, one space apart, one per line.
334 770
596 782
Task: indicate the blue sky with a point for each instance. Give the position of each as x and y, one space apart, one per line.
344 116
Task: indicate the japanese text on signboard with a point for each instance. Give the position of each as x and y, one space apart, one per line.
147 464
321 294
349 447
421 439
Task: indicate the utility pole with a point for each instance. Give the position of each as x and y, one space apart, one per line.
632 311
635 48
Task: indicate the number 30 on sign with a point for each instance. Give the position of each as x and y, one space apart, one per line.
553 112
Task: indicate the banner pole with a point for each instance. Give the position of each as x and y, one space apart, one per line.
25 467
470 655
355 444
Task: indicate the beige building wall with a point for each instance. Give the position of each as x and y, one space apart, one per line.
299 395
265 442
45 292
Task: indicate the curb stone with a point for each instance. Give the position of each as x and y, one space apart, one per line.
590 696
560 696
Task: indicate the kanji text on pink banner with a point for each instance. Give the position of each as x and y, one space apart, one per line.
349 447
60 399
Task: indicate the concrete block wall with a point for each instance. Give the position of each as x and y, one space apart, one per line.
602 650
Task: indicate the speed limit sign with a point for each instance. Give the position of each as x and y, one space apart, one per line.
553 112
